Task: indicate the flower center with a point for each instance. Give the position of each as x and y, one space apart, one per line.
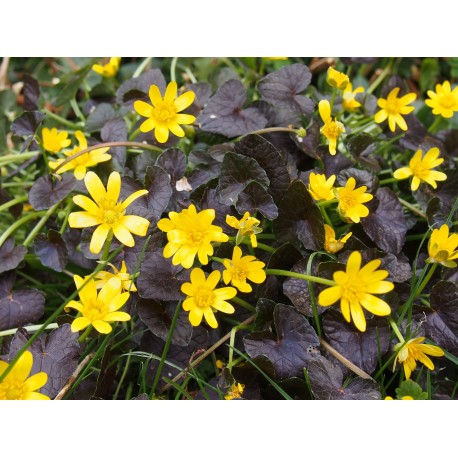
347 201
195 237
420 171
12 389
239 274
95 311
393 107
164 113
204 298
110 217
352 289
447 101
333 129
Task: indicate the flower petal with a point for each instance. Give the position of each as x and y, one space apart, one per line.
80 323
143 108
82 219
86 204
102 326
123 235
136 224
329 296
36 381
195 316
95 187
183 102
210 318
114 186
98 238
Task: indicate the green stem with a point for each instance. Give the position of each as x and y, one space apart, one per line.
13 202
325 216
244 304
10 332
379 79
234 330
173 67
123 376
333 98
387 181
84 335
67 211
432 128
63 121
19 184
326 203
395 328
287 273
268 130
312 295
12 158
18 224
134 134
425 281
166 349
412 208
77 110
40 224
142 67
106 248
105 145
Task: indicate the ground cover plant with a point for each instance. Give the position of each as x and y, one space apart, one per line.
228 228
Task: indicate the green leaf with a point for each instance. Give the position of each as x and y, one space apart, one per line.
429 71
410 388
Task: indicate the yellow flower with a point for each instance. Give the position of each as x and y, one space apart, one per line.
107 212
127 283
240 269
349 102
404 398
16 385
247 227
98 309
235 391
203 299
80 163
355 288
53 140
320 188
190 233
331 245
163 115
442 248
351 201
444 101
414 350
421 169
109 69
337 79
393 107
331 129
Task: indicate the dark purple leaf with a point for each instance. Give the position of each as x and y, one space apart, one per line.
292 349
269 159
56 354
27 124
138 88
203 92
102 113
157 182
173 161
326 380
51 250
386 226
297 290
158 320
299 218
11 256
224 113
31 92
441 323
362 147
364 349
159 279
115 130
237 172
45 192
21 307
281 88
362 178
254 198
